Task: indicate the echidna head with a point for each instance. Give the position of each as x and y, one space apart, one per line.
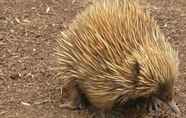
157 72
165 93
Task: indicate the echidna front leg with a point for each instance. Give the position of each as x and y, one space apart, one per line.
72 94
154 105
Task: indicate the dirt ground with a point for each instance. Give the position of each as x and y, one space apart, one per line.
28 28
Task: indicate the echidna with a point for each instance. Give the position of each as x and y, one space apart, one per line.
114 52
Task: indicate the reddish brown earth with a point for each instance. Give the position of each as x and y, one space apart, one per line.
28 28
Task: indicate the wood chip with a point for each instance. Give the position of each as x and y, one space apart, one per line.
26 104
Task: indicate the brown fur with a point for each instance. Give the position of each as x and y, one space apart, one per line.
115 52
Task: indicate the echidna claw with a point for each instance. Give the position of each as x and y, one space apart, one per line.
154 106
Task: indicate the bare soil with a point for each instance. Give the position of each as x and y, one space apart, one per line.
28 28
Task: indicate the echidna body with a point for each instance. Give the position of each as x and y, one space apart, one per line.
115 52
